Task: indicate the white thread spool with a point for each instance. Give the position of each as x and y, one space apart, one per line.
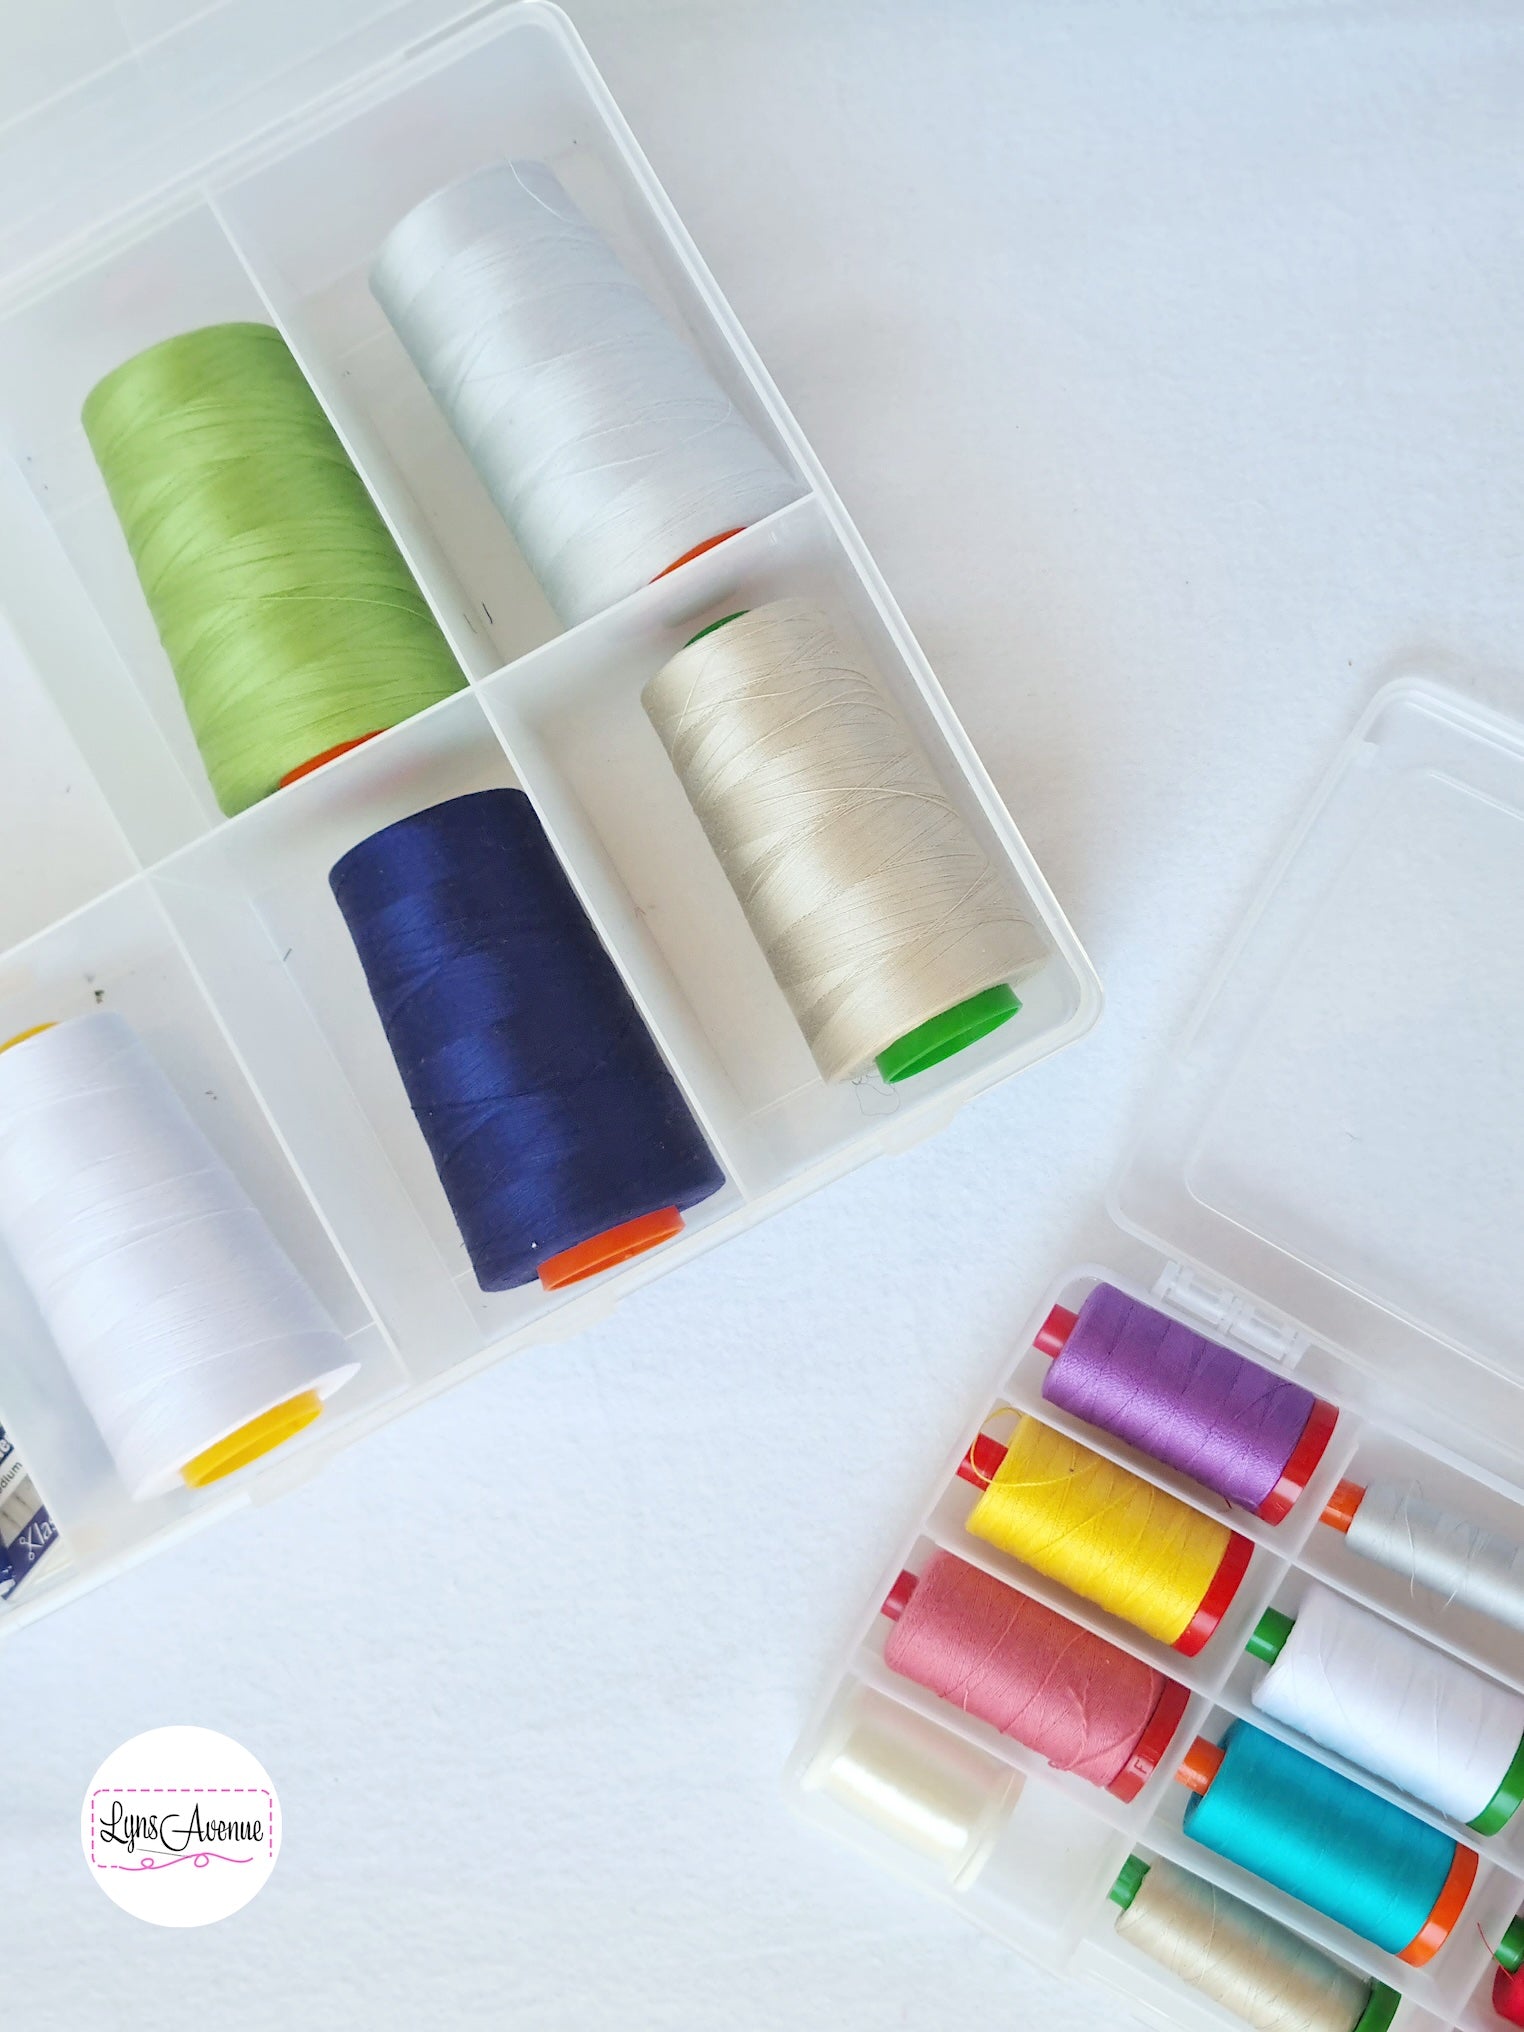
180 1317
1240 1957
876 906
1368 1690
925 1788
606 444
1397 1528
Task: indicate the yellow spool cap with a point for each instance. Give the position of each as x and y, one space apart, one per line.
1116 1540
22 1035
260 1436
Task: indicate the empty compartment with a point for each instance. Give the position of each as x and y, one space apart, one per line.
60 844
521 90
121 954
254 906
571 715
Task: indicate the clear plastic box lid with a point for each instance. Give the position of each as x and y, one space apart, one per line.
103 103
1342 1132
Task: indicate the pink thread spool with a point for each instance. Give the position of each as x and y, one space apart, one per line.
1086 1705
1251 1436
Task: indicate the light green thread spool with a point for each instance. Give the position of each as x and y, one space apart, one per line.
291 622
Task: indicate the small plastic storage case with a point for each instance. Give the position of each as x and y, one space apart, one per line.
245 162
1329 1181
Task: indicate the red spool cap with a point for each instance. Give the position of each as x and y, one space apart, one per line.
328 755
1218 1598
898 1598
1448 1906
698 550
1200 1765
1055 1330
978 1465
1299 1470
1339 1510
1169 1710
1508 1995
614 1245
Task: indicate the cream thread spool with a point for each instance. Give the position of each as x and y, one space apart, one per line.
604 441
1240 1957
889 930
925 1788
191 1336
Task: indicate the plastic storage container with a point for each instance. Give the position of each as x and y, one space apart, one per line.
246 163
1320 1183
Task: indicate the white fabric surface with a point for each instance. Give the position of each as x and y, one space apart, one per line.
1168 356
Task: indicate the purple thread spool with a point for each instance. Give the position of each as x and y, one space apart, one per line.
1195 1405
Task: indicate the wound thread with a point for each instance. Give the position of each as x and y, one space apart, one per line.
550 1115
1320 1837
1183 1399
877 908
1134 1551
606 444
1368 1690
1083 1704
290 620
1242 1958
176 1311
1396 1527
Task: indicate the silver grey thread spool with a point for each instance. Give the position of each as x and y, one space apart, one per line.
604 441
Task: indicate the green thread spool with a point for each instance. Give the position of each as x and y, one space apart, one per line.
292 624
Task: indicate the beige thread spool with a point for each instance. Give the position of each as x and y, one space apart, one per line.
888 928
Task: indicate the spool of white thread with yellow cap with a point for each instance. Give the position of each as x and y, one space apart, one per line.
195 1343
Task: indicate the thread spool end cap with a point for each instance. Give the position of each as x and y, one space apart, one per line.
1302 1464
614 1246
1448 1907
328 755
1380 2011
1158 1734
1053 1334
1339 1510
1218 1599
1268 1638
251 1442
898 1598
1129 1882
22 1035
723 622
1200 1765
953 1031
1510 1949
980 1463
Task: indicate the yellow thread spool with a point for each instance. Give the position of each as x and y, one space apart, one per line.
1121 1543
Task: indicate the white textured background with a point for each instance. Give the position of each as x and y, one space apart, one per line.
1169 357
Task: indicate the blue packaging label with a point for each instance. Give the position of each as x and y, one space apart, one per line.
26 1529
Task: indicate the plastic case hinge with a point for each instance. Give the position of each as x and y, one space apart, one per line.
1228 1314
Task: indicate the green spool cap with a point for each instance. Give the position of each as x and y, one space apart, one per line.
1129 1878
1500 1809
1510 1949
964 1024
722 622
1270 1634
1380 2011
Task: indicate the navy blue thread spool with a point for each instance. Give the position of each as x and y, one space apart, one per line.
560 1138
